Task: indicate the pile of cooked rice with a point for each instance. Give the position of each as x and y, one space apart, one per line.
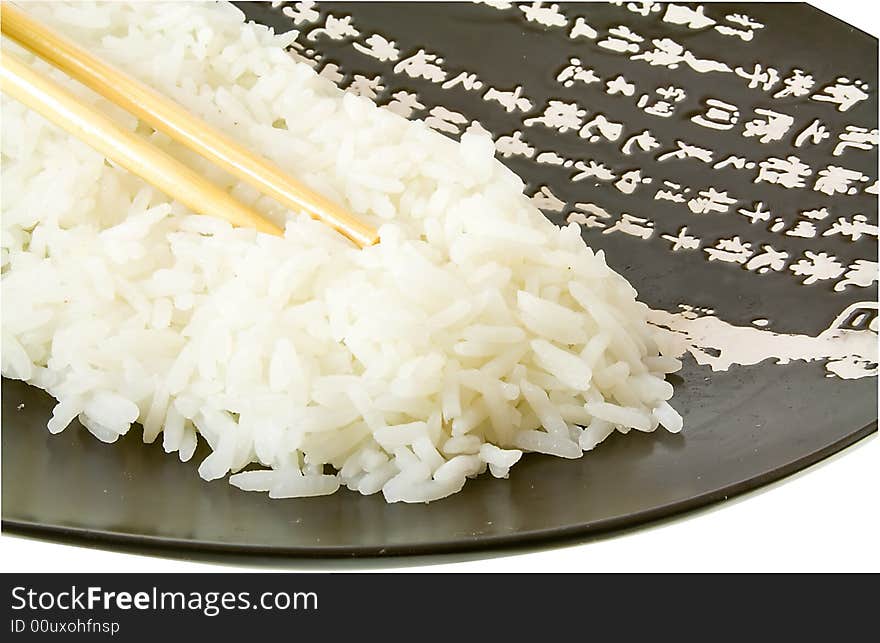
474 331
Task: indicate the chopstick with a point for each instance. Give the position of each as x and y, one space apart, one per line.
167 116
124 147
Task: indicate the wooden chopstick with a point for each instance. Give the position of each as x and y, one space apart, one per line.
124 147
167 116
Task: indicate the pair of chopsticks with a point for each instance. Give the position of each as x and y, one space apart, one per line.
136 154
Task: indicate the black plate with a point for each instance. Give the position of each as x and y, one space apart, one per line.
744 427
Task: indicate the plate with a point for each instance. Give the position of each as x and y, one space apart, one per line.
741 309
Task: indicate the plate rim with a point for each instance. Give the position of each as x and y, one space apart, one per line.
181 547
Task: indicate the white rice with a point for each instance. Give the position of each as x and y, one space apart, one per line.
475 330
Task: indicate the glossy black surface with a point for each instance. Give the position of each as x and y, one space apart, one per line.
742 430
744 427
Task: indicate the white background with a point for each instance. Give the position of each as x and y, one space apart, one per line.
826 518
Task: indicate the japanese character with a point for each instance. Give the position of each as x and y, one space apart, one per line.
444 120
853 229
669 54
512 100
759 77
594 169
836 180
592 208
544 199
609 129
586 220
422 65
468 81
815 132
335 28
666 53
730 250
685 151
308 56
581 28
720 115
675 94
552 158
769 259
682 241
645 141
662 108
644 8
560 116
575 71
788 172
797 84
777 225
379 48
629 181
677 14
404 103
773 128
710 200
844 93
704 65
683 15
804 229
861 273
674 194
817 266
634 226
743 34
363 86
514 145
547 16
589 215
758 214
738 162
857 137
301 12
620 85
330 71
496 4
816 215
621 40
744 20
